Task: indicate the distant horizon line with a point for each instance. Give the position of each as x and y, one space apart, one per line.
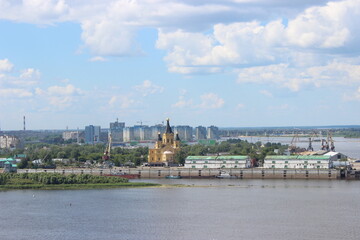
221 128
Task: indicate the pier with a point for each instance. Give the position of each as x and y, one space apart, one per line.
249 173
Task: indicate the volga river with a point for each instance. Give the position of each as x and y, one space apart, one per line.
206 209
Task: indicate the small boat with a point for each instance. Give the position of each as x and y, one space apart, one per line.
225 175
172 177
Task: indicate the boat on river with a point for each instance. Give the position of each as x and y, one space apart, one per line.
172 177
225 175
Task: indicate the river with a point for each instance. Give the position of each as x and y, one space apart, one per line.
206 209
347 146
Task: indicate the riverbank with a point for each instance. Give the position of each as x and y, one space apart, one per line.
77 186
59 181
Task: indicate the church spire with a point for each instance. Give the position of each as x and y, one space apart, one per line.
168 128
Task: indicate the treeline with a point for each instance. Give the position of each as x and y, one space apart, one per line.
79 154
256 151
56 178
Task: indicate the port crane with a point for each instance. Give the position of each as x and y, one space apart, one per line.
325 143
107 151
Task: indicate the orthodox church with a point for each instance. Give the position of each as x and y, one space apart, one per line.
165 148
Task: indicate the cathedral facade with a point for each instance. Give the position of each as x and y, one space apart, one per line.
165 148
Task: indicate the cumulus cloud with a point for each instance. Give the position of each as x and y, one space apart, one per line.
266 93
35 11
183 102
15 93
283 75
97 59
323 29
60 96
5 65
240 106
122 102
210 101
354 96
148 88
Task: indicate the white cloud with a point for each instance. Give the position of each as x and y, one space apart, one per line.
283 75
60 96
183 102
15 93
211 101
329 26
240 106
355 96
97 59
148 88
34 11
266 93
5 65
68 90
122 102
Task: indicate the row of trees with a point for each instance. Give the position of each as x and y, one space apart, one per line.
78 154
256 150
56 178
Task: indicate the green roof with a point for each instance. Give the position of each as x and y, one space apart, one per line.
231 157
296 157
236 157
201 157
14 165
7 159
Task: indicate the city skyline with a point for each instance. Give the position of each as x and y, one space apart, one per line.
229 63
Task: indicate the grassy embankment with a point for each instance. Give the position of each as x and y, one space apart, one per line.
56 181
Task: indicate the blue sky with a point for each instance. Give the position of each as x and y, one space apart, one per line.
230 63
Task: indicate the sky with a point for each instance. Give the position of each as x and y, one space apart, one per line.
229 63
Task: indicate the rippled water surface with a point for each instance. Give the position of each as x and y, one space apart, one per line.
206 209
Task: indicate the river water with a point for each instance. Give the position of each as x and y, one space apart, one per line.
347 146
205 209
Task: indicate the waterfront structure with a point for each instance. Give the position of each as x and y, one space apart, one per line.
116 129
229 161
10 168
5 160
92 134
200 133
212 132
9 142
165 148
185 132
299 161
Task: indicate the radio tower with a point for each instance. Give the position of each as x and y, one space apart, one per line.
24 124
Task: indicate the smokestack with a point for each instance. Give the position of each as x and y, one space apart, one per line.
24 124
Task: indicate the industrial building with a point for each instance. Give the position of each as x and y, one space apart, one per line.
299 161
231 161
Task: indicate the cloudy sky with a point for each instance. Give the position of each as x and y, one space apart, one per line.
217 62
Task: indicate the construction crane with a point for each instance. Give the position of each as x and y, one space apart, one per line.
295 139
330 139
107 151
325 143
